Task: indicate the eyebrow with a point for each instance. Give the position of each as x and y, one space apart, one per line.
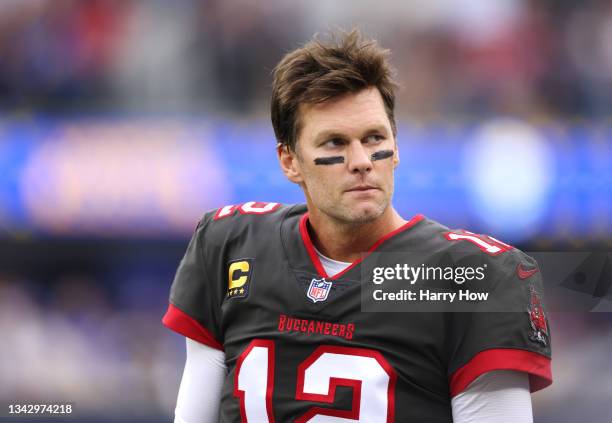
330 134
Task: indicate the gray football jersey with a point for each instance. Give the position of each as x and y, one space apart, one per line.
300 344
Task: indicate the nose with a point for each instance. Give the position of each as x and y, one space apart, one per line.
358 159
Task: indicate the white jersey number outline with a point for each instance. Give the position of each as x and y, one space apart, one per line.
366 371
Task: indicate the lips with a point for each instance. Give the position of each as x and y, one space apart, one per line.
361 188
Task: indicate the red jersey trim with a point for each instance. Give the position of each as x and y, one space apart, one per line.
315 258
180 322
536 365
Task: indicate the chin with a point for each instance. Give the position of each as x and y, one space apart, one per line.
365 214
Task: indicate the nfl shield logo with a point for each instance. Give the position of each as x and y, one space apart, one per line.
318 290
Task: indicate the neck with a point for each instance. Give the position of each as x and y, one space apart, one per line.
347 241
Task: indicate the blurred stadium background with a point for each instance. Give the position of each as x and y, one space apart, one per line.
122 121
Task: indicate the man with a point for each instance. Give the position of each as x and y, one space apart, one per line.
269 296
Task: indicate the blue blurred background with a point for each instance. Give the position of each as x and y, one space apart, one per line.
122 121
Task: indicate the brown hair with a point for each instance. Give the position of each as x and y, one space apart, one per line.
320 71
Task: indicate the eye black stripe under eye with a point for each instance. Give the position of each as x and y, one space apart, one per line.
329 160
382 154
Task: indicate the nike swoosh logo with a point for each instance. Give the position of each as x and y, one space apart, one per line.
524 273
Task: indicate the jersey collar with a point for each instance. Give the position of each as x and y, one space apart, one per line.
314 258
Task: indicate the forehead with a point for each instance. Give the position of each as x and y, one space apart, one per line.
349 114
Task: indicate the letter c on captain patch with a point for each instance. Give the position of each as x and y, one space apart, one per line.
239 275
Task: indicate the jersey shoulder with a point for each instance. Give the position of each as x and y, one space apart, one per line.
240 221
499 256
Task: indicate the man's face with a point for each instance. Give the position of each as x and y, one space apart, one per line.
347 130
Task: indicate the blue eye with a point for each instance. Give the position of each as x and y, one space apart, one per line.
334 142
374 138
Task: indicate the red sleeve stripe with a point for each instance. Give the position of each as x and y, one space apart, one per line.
180 322
536 365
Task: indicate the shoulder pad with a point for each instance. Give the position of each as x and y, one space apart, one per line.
233 220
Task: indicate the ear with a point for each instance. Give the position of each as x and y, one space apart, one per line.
289 163
396 157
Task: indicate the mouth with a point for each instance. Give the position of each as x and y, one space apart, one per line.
362 188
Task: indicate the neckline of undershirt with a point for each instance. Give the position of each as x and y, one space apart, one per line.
331 266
